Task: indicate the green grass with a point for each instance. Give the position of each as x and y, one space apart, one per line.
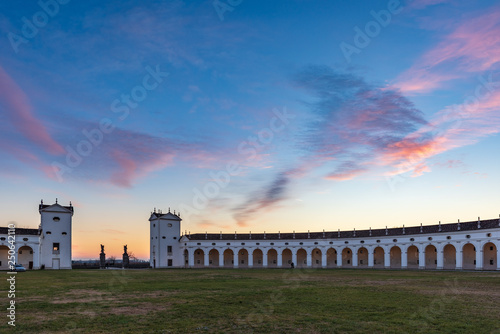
255 301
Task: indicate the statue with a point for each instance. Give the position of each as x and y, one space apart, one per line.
125 262
102 258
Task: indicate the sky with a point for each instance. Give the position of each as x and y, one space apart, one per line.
248 115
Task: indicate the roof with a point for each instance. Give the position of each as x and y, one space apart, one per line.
21 231
399 231
55 207
169 216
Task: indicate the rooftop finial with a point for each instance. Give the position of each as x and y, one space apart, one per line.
439 226
70 203
478 222
404 231
56 200
421 228
168 209
42 202
458 225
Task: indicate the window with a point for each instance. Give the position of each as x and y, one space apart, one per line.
378 241
169 262
491 247
48 232
169 249
243 244
286 243
315 243
429 238
2 238
64 233
448 237
412 239
56 219
154 225
272 243
229 244
301 243
488 235
468 236
55 246
164 237
199 243
395 240
491 262
258 243
169 225
346 242
331 242
213 243
362 241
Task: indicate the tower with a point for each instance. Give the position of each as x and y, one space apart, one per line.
165 232
55 235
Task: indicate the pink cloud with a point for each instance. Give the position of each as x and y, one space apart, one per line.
474 46
130 169
28 158
21 115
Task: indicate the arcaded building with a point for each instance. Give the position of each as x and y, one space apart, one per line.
471 245
48 246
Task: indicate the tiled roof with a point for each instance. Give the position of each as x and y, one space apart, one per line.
20 231
399 231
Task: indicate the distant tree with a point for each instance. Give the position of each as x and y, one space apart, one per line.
112 259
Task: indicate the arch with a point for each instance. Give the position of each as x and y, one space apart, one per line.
272 258
316 258
469 256
378 257
430 257
186 258
347 257
258 257
228 258
331 258
362 257
286 257
301 258
4 257
213 258
449 257
395 257
243 258
25 257
412 256
490 256
199 258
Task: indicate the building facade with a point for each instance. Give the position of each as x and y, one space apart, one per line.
469 245
48 246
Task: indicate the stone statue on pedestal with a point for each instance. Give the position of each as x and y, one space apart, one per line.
125 257
102 258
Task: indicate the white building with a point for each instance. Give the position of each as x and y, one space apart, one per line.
49 245
468 245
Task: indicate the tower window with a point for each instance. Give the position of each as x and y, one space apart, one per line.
55 248
64 233
169 225
48 232
25 239
56 219
169 262
169 249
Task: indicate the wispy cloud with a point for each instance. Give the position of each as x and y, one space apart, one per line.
16 105
473 46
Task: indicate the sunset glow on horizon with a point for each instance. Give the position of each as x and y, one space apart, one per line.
256 116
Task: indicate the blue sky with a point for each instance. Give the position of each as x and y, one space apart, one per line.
248 116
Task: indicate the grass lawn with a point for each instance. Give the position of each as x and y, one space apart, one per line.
254 301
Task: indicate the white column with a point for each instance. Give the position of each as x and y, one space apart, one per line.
280 258
339 258
387 258
404 259
370 258
264 258
206 259
354 257
323 258
440 259
309 258
458 256
479 258
250 259
294 257
236 256
498 257
221 259
421 259
191 258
